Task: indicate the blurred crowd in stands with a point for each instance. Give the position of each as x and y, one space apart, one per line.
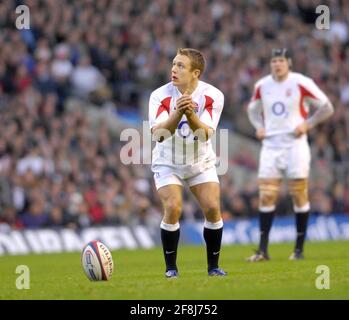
57 169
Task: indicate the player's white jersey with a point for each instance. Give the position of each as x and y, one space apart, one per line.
285 105
183 150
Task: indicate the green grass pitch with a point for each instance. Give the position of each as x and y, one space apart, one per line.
139 274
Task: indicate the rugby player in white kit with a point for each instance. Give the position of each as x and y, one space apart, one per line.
183 115
279 112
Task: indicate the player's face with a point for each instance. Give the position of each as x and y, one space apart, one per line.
279 67
181 73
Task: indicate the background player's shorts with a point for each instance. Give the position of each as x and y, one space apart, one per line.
294 161
168 176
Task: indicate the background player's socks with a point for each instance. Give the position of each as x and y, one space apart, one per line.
265 223
170 237
213 237
301 226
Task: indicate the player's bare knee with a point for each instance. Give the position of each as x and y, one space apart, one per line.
268 193
173 208
300 200
171 216
298 190
212 213
267 199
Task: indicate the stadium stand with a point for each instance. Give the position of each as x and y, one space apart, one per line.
59 166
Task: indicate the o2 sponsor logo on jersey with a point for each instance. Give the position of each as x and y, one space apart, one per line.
183 129
279 109
185 132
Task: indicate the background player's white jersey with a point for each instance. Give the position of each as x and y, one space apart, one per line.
285 105
182 150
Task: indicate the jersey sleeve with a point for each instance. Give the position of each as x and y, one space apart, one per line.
311 93
158 109
254 108
212 110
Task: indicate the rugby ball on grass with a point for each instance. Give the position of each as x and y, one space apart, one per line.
97 261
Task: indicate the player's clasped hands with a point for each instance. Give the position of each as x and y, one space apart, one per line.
185 104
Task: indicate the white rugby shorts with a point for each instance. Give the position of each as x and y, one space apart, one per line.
293 162
167 175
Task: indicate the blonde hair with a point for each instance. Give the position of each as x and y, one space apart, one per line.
196 58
